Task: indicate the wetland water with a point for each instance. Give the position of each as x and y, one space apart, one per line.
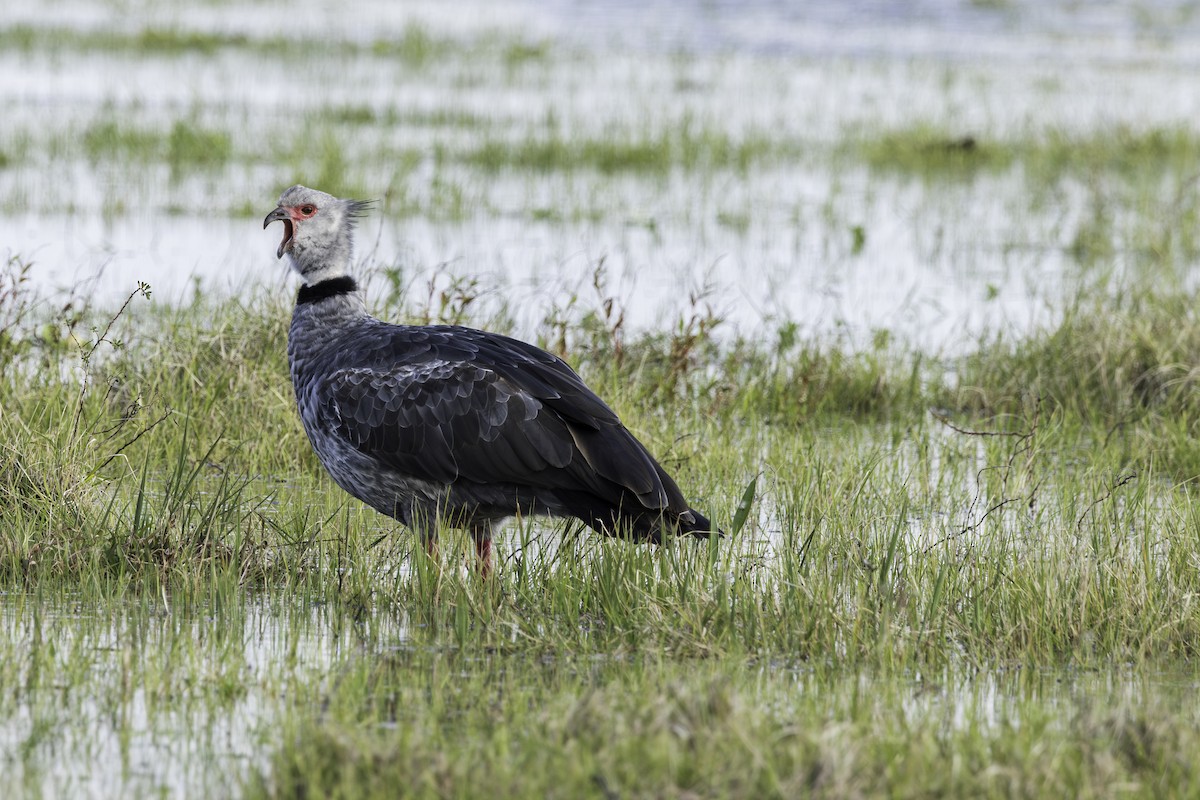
810 234
146 700
139 700
103 184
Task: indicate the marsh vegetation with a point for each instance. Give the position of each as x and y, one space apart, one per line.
964 539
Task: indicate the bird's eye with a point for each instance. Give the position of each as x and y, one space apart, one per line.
308 211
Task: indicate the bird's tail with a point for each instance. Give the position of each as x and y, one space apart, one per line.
699 525
648 526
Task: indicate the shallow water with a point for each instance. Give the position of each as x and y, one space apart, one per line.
937 263
134 701
150 699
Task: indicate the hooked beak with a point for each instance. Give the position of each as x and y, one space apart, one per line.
283 216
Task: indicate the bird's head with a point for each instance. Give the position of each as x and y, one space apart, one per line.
318 232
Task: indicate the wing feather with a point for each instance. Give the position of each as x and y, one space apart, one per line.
444 404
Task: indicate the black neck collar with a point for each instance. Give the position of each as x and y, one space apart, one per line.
325 289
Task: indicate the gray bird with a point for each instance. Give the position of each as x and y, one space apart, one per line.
451 425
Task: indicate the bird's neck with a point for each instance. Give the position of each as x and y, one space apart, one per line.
320 261
325 314
323 290
328 305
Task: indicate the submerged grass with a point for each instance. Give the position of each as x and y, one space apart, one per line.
626 727
360 709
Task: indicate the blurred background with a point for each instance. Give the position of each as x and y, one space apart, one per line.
930 171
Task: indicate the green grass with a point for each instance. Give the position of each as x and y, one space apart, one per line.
650 728
942 152
390 116
970 574
852 527
186 145
415 47
687 145
820 424
1041 527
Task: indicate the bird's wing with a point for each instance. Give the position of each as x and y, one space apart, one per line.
540 374
603 444
499 412
442 420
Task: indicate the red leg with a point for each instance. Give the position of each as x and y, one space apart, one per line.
483 549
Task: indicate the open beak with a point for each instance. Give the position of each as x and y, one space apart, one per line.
283 216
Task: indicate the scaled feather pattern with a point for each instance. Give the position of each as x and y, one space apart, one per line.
451 425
